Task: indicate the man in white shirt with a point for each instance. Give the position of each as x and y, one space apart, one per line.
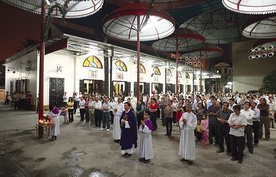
256 122
98 112
237 122
231 103
106 114
65 98
248 128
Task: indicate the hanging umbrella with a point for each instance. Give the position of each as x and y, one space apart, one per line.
208 51
251 6
74 8
162 4
180 41
138 22
261 27
219 26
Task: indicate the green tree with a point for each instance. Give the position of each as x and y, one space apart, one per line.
27 43
269 83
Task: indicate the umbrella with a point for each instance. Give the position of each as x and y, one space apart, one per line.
73 8
261 27
219 26
251 6
181 40
138 22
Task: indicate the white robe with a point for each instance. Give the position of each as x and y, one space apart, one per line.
187 140
55 130
145 147
116 134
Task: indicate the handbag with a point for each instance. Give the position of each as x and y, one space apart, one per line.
62 113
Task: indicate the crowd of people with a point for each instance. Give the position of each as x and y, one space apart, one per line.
236 120
19 100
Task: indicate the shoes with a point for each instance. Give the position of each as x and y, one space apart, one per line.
166 134
239 161
251 151
142 159
126 155
107 130
219 151
256 144
216 145
274 149
183 160
101 129
189 162
233 159
147 161
229 153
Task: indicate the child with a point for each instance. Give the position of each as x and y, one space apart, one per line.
198 131
64 113
145 150
204 127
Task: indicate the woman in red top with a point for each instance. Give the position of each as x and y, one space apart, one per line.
153 112
179 111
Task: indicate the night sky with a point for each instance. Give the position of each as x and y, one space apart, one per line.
16 26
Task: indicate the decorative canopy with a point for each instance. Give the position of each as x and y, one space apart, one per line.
75 8
182 39
219 26
251 6
261 27
207 51
162 4
123 23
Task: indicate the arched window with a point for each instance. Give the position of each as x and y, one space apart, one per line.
169 72
156 71
121 66
142 69
179 74
92 62
187 75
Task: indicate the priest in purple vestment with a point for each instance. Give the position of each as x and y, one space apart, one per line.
129 131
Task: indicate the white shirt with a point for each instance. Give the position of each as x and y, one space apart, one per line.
256 116
81 104
237 119
65 99
249 116
98 105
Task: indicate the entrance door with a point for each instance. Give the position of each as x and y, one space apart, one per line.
56 91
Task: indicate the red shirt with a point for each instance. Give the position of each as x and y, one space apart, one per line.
153 106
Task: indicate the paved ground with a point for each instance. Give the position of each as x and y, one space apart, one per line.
82 150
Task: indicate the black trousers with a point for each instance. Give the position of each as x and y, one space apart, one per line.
169 125
86 112
237 146
213 132
163 115
255 128
153 120
140 116
248 132
70 116
98 118
223 134
174 116
82 114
